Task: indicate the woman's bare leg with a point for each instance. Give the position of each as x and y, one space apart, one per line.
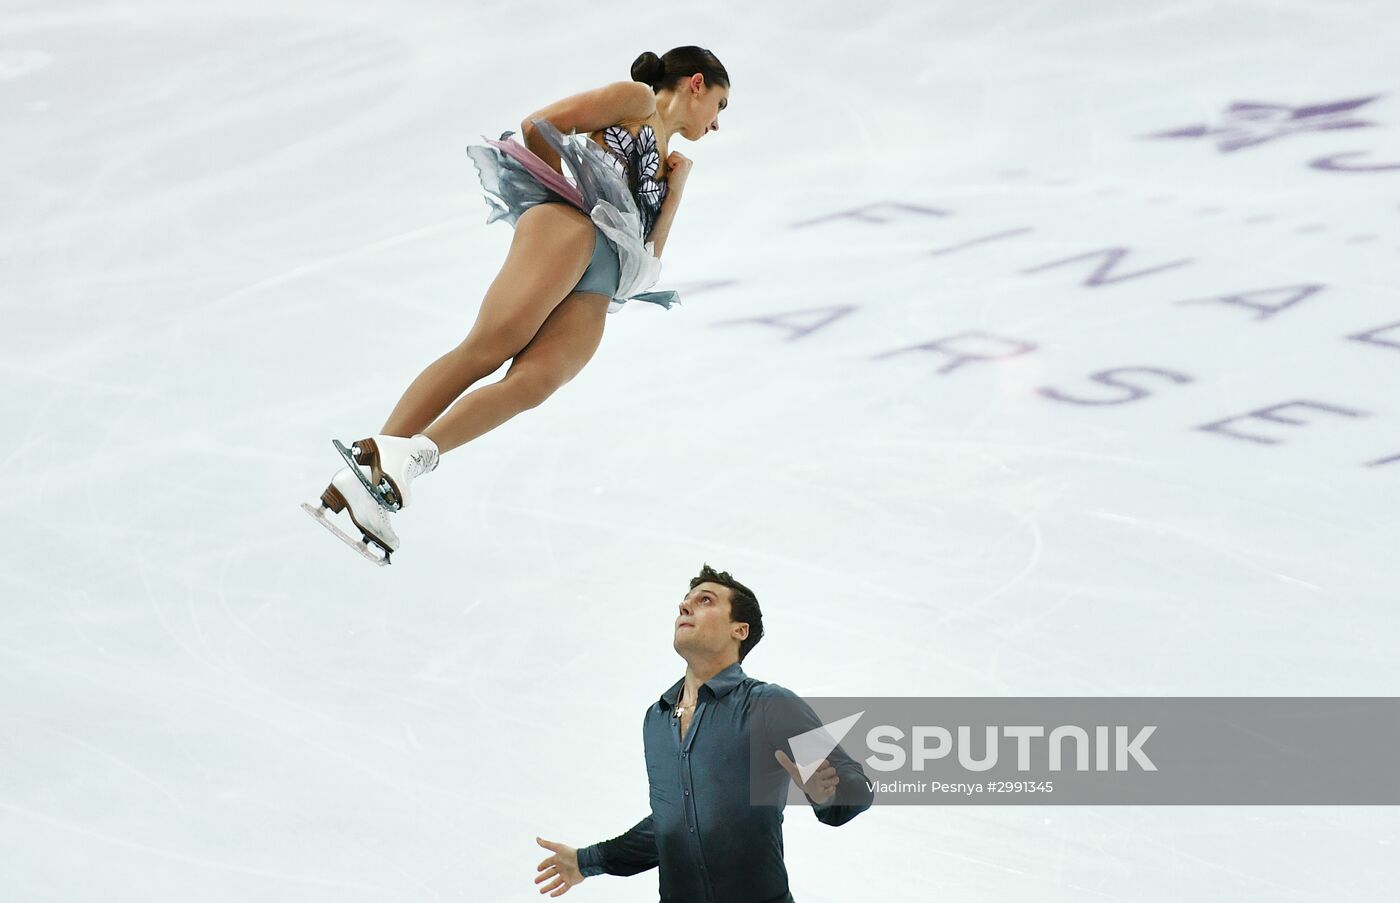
552 246
556 354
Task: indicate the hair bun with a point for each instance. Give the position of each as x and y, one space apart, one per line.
648 68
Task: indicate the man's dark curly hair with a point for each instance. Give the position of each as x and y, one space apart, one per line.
743 605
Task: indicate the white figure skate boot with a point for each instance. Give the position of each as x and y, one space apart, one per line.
347 490
393 463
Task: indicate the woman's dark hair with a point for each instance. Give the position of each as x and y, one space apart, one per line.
677 64
743 605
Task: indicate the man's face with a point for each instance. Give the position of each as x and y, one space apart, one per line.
702 622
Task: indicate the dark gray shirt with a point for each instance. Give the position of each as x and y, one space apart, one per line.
710 843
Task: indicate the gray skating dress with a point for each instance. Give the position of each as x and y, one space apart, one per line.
617 188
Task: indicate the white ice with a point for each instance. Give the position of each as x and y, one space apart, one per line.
230 232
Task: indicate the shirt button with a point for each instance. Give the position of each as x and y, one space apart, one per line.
692 830
687 793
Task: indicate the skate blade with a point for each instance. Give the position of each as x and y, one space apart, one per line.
362 545
354 462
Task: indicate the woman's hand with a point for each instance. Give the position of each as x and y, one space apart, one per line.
677 169
562 867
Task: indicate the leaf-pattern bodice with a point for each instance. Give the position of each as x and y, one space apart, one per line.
638 161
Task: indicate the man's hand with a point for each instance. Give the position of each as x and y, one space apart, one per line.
562 867
820 787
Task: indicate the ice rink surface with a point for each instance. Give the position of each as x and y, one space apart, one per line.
1026 349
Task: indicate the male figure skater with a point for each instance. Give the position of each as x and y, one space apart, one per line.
710 843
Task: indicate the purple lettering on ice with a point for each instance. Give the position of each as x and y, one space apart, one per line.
1246 123
1291 295
1111 258
704 285
1370 336
1013 348
800 323
980 240
1330 164
1110 378
865 213
1272 414
1393 459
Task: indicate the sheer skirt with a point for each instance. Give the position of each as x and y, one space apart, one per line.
515 179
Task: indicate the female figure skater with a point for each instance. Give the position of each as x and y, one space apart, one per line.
581 250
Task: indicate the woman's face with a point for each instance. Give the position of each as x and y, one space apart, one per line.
707 102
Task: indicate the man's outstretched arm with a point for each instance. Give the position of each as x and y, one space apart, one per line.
853 794
626 854
839 790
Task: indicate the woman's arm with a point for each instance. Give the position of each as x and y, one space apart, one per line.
677 171
588 112
540 147
662 227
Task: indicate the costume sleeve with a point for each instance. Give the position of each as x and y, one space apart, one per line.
857 795
793 716
626 854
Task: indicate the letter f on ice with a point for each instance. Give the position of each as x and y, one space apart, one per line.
810 747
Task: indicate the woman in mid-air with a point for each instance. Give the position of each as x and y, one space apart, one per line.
581 249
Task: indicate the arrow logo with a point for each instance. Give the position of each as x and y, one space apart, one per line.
810 747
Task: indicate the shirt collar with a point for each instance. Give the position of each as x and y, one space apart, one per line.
719 685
